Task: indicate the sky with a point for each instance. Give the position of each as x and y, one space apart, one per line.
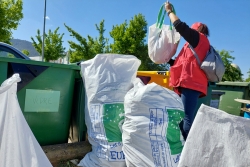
227 20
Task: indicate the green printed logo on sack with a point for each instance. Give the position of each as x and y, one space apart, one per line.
113 118
173 130
107 120
165 134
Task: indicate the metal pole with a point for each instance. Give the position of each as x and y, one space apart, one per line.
44 20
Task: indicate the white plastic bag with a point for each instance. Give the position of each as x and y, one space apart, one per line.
151 134
18 145
162 40
217 139
107 78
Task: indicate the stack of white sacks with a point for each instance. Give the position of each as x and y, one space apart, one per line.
129 123
136 125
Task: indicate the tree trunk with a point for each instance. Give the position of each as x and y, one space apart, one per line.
67 151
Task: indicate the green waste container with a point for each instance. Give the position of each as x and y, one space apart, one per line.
46 96
78 127
215 98
233 90
207 99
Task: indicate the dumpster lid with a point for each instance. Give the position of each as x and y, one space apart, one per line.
33 62
218 92
244 84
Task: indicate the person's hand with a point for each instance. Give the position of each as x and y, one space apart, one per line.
168 6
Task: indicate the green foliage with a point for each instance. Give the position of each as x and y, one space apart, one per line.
53 47
231 73
26 52
9 55
87 48
130 39
248 79
10 15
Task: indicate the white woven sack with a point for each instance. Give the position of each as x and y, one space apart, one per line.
217 139
162 43
18 145
107 78
151 134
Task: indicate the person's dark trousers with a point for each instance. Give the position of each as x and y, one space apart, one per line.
189 99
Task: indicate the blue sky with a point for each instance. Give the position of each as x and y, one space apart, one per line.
228 20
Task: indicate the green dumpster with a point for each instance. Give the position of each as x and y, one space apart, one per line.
207 99
233 90
215 98
78 127
48 98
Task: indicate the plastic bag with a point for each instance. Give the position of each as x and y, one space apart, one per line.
151 134
217 139
163 40
107 79
18 145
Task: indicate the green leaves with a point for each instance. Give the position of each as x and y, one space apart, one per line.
127 39
11 14
130 39
53 47
26 52
231 73
248 79
87 48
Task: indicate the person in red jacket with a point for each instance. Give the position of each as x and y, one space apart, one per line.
186 77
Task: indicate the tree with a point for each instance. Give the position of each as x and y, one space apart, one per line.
87 48
53 48
231 73
248 79
11 14
130 39
26 52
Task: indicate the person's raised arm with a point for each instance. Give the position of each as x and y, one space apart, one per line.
189 34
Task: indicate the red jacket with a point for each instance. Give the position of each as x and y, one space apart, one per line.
186 71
